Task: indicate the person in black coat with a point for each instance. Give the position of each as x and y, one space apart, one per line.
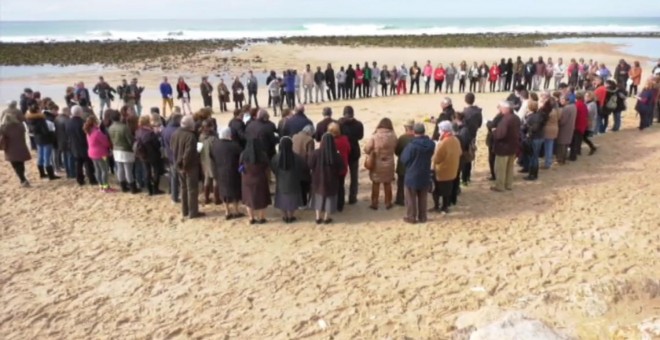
78 147
225 155
350 78
265 131
322 126
43 130
147 149
330 83
509 75
237 127
354 130
63 156
297 122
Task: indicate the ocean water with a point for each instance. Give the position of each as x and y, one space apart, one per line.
643 47
29 31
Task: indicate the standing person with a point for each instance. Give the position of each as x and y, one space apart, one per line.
223 95
646 102
135 93
104 91
375 79
518 72
402 79
326 165
445 166
539 74
147 150
483 76
450 73
401 144
359 80
252 87
394 81
206 90
344 149
581 126
415 74
350 79
291 82
272 76
81 95
622 73
428 73
172 126
319 84
534 125
296 84
354 130
551 129
592 106
380 152
530 69
506 140
122 92
502 71
614 104
13 134
473 120
384 80
254 165
366 90
208 137
186 158
474 77
183 94
63 151
490 126
225 155
288 167
439 78
308 83
274 95
237 89
297 122
493 77
416 158
566 127
122 150
509 75
330 83
166 94
79 147
341 83
265 131
44 137
303 146
558 72
549 72
635 75
98 152
322 126
462 76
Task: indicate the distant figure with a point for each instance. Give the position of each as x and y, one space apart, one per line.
104 91
183 94
166 94
206 90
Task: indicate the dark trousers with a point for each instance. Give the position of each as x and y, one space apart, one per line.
633 90
466 172
455 190
473 84
383 89
331 91
507 84
305 188
223 105
528 83
415 200
438 86
19 169
341 91
576 145
208 101
461 85
400 191
427 85
350 91
357 91
341 194
366 89
491 162
354 169
152 175
250 96
174 184
440 194
84 166
189 182
413 83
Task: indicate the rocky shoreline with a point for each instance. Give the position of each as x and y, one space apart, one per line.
119 52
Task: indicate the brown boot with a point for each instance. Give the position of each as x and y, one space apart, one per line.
387 187
375 192
207 194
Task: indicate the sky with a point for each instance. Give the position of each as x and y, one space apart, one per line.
18 10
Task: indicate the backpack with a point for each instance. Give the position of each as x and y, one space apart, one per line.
611 103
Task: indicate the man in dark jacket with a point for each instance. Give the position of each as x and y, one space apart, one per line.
447 113
237 127
473 119
207 92
104 91
167 134
187 161
330 83
350 78
621 73
63 157
416 157
252 86
530 69
297 122
506 141
265 131
354 131
322 126
78 147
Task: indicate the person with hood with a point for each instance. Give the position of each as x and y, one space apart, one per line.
252 87
341 83
401 144
384 80
331 89
44 136
288 167
533 127
104 91
225 156
99 151
63 152
172 126
183 94
326 165
506 143
187 160
303 146
344 149
473 121
308 83
445 166
635 75
254 166
416 158
207 138
297 122
354 131
13 141
438 78
403 78
237 89
428 73
415 74
380 152
450 73
322 126
206 89
566 127
147 150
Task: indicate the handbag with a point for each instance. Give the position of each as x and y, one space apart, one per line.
370 161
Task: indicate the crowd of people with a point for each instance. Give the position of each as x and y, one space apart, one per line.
309 164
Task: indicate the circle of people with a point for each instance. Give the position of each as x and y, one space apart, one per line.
235 164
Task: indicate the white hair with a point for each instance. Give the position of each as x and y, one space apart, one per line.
225 133
446 101
505 104
77 110
188 122
445 127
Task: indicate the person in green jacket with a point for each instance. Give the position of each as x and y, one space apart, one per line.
366 90
122 150
401 144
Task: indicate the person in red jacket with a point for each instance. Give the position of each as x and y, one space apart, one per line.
439 77
344 149
581 126
493 76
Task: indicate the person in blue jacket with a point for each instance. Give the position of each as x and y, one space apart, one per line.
416 157
166 93
290 88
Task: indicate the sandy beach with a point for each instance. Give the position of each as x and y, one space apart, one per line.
578 249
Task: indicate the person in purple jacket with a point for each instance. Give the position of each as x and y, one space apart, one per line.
166 93
290 88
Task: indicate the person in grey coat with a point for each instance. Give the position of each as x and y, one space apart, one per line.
566 127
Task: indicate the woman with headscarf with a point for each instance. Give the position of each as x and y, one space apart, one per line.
207 138
225 156
13 141
303 146
326 165
254 166
288 167
381 148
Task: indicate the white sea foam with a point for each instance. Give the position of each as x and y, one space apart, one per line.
317 30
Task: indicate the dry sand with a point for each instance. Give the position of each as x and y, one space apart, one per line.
577 249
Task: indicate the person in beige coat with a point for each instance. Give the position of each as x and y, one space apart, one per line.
303 146
381 146
551 129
